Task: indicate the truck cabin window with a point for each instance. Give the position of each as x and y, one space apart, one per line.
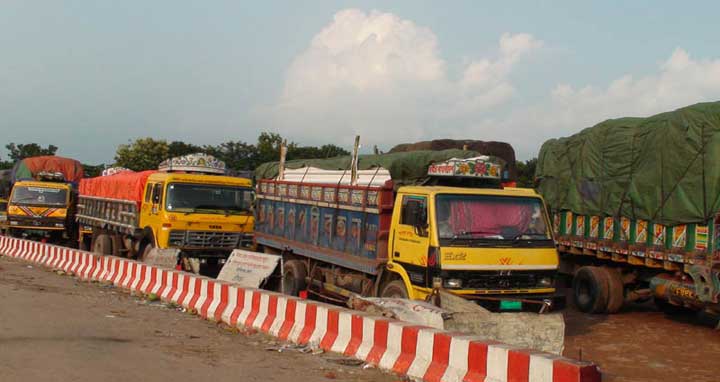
39 196
486 218
212 199
414 213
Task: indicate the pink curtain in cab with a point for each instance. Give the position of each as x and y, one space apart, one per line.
489 216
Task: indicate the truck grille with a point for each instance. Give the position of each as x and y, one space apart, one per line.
495 280
205 239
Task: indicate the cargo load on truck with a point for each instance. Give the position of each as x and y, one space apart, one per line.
186 213
404 168
500 150
49 166
124 185
636 201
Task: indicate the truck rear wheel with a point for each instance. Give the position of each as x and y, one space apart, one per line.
394 289
294 273
591 289
616 290
103 244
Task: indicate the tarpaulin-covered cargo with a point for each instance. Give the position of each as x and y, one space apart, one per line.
405 168
663 169
30 168
124 185
500 150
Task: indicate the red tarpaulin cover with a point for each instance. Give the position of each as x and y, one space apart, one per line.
124 185
29 167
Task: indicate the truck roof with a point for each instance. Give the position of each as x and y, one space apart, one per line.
508 191
199 178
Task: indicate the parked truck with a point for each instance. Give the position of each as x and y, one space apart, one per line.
43 197
401 224
635 204
187 205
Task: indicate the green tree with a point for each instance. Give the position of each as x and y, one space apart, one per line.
143 154
526 173
27 150
179 148
237 155
92 171
311 152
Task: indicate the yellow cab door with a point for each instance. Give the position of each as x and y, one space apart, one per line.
410 239
151 210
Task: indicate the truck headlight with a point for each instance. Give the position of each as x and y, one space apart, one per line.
545 281
59 225
14 222
453 283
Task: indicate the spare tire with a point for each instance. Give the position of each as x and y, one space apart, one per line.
590 289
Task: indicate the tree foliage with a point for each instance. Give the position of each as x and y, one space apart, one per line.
142 154
526 173
27 150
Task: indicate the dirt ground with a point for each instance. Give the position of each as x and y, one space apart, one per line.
641 344
55 328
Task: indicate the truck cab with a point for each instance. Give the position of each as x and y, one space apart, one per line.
202 213
483 244
39 208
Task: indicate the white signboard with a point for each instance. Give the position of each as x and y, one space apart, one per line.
248 269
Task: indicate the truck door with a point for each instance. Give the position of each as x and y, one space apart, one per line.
411 239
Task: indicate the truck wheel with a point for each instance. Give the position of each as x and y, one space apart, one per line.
103 244
590 290
394 289
294 273
616 290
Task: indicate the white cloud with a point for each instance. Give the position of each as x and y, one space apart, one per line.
679 81
382 77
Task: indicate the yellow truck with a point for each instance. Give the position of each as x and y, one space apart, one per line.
403 224
188 206
42 198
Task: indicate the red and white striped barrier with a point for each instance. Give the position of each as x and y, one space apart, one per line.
415 351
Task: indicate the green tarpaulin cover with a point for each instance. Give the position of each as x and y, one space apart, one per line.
405 167
664 168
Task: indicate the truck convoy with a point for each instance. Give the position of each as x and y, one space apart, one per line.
400 224
42 198
635 204
187 205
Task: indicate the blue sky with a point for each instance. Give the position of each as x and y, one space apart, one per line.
89 75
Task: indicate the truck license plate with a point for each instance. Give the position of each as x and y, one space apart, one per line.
510 305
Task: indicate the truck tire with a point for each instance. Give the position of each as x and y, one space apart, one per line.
591 289
616 290
102 244
394 289
294 273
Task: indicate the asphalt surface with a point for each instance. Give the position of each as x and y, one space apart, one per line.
56 328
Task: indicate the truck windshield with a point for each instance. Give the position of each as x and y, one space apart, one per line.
203 198
39 196
490 218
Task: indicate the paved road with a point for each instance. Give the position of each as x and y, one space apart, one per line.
55 328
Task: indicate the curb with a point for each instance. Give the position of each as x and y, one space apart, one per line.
415 351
